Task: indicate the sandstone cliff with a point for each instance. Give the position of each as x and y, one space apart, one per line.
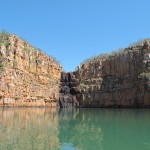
121 79
28 77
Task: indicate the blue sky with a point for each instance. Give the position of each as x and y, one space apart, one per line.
73 30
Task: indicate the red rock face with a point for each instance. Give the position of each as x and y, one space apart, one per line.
116 81
28 77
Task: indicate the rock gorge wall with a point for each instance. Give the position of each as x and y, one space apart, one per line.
119 80
28 77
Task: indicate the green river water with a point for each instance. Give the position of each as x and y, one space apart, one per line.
74 129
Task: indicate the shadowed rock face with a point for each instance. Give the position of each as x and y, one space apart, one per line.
122 80
66 99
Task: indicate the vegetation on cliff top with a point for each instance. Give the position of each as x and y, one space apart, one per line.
104 56
4 40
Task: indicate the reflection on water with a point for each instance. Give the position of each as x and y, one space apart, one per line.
29 128
79 128
74 129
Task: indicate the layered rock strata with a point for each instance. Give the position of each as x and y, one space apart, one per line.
28 77
119 80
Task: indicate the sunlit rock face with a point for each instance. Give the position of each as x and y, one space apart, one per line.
28 77
119 80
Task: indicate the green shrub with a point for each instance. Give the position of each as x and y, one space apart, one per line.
16 98
140 42
146 51
14 63
7 43
4 33
35 73
82 86
55 60
4 38
50 76
144 76
26 49
2 65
